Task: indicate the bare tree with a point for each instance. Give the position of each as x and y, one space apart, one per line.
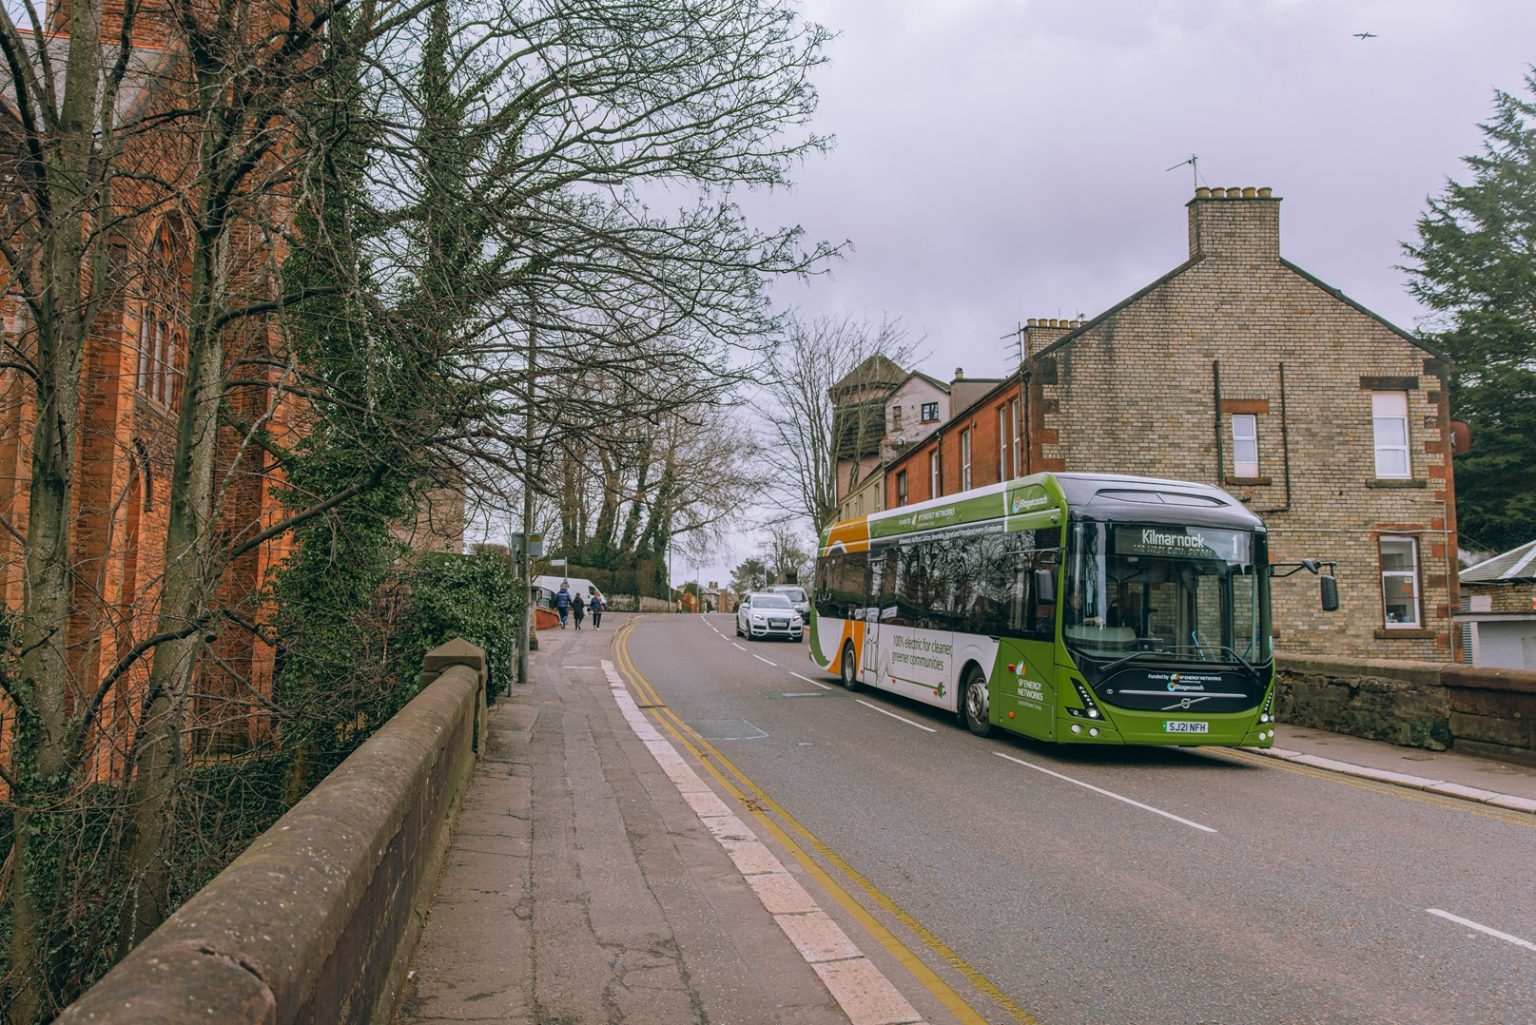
807 433
501 249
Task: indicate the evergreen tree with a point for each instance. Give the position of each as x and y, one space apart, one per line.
1475 265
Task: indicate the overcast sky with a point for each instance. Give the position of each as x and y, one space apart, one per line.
1004 159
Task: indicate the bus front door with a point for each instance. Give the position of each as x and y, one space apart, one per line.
869 659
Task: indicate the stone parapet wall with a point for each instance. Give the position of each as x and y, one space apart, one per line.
315 922
1481 711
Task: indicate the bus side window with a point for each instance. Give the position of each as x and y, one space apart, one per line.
826 574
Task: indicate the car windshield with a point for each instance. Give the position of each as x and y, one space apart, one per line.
770 601
792 593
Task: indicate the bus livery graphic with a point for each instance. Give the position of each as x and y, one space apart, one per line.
1068 607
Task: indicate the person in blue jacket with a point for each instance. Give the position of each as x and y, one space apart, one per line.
562 603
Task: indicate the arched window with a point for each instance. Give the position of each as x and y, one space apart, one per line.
162 331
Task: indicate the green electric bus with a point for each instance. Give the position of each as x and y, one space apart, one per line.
1069 607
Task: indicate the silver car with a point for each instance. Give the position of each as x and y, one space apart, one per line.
765 614
797 598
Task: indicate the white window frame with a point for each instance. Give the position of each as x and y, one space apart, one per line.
1017 439
965 459
1388 407
1245 430
933 473
1002 444
1412 575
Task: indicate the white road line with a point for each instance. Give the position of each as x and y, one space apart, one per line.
737 646
866 996
768 660
807 679
1106 793
1506 937
893 715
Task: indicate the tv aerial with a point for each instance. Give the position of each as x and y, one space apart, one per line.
1194 166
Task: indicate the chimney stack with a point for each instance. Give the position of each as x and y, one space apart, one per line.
1042 331
1238 222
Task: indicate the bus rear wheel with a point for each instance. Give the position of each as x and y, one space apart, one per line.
974 703
847 671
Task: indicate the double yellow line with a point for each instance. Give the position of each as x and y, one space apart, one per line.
798 841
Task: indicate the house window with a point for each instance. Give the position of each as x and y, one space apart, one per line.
933 474
930 412
901 488
895 418
1400 582
965 459
1389 421
1245 445
1004 449
1014 432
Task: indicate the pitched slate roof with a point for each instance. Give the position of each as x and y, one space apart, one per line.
1515 564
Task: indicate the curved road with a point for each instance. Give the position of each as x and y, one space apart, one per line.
1123 885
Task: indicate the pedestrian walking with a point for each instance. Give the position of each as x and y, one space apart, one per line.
562 603
596 607
578 609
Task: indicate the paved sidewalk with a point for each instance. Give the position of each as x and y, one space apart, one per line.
589 881
1502 784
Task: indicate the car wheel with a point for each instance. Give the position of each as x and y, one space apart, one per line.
974 703
848 674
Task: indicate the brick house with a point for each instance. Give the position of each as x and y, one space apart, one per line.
1240 369
132 377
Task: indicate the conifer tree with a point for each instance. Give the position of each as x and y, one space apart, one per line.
1475 266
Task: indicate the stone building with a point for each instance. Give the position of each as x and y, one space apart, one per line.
858 428
1240 369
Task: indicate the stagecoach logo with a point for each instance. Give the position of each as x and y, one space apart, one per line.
1024 504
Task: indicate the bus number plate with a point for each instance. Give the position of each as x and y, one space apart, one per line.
1185 726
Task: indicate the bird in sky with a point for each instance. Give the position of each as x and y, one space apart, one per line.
1365 35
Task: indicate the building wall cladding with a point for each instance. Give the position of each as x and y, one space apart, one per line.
1151 386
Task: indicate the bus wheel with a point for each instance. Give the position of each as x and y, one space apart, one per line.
973 703
850 677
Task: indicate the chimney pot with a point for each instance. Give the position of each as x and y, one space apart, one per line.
1031 322
1249 192
1266 192
1234 191
1202 193
959 373
1218 193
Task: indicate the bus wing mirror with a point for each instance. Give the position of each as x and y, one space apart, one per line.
1330 592
1045 587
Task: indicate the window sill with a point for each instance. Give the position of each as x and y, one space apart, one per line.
1405 634
1390 482
1248 482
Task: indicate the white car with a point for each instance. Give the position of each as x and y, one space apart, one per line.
797 597
765 614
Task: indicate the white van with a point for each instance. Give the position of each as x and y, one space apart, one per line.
797 597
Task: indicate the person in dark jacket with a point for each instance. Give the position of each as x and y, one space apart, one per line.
578 609
596 607
562 603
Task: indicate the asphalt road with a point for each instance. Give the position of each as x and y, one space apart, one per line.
1124 886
